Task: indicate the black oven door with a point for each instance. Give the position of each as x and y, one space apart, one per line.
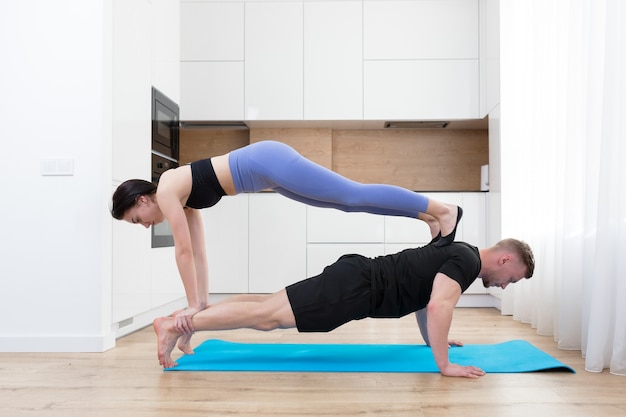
161 233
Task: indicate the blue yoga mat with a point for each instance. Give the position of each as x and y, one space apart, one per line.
218 355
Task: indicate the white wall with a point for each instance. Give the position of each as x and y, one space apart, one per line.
55 241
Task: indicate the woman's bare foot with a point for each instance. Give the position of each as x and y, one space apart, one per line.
433 224
448 225
166 340
184 344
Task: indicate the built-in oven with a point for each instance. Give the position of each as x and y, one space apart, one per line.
161 233
165 153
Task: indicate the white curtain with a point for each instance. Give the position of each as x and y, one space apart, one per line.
563 167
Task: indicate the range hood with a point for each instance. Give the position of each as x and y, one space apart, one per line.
335 124
416 125
200 124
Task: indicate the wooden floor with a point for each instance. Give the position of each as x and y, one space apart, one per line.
127 381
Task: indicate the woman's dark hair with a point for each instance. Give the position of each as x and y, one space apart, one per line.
126 196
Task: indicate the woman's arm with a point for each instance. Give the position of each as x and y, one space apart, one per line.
196 229
170 193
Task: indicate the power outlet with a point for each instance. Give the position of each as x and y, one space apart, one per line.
57 166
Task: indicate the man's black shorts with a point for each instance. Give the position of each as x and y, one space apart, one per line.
341 293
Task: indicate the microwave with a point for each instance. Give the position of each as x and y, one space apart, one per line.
165 126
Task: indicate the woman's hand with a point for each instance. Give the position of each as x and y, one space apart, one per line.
183 320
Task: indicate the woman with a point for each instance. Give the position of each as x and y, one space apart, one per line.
182 191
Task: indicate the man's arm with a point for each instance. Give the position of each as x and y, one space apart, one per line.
443 298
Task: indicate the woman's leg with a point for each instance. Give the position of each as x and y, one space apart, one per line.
275 165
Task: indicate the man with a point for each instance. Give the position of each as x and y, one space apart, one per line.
427 280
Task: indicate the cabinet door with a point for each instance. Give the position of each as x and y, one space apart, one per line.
334 226
489 56
131 89
226 235
211 91
166 284
211 31
421 89
474 219
166 47
422 29
274 61
333 60
211 67
277 242
130 270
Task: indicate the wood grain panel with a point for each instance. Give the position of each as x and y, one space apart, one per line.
421 160
314 144
203 143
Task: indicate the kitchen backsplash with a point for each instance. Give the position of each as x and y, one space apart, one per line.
417 159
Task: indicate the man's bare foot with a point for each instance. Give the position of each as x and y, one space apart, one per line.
184 344
166 340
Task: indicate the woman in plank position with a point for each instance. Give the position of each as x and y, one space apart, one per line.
182 191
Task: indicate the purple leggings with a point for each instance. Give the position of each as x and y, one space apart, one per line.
279 167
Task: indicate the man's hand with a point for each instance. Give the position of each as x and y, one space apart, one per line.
454 343
464 371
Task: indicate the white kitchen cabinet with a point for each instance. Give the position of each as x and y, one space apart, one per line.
334 226
145 53
212 61
421 60
333 60
474 229
212 31
274 63
277 233
132 78
473 225
226 236
421 89
166 284
489 55
420 29
131 280
166 48
212 90
131 127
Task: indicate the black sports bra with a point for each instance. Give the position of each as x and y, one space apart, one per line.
206 190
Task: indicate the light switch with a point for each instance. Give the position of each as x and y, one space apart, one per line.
57 166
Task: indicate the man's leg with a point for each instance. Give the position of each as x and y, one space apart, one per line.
184 340
264 313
